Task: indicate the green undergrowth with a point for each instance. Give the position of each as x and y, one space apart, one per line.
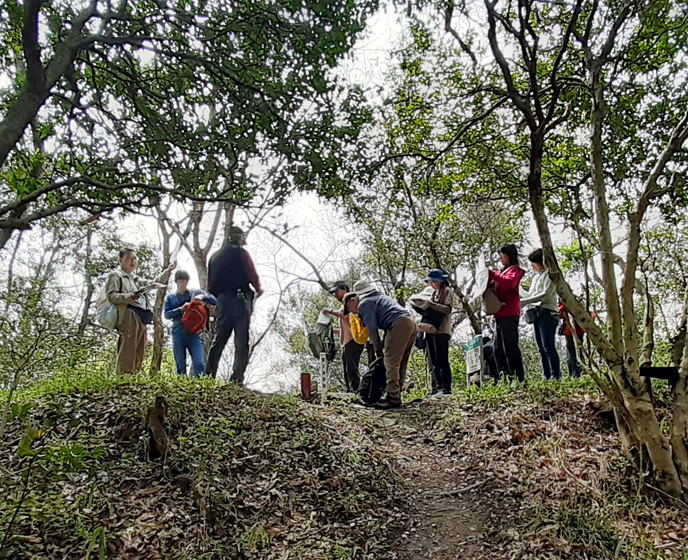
609 526
249 476
537 390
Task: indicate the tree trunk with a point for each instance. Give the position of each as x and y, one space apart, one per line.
611 292
229 208
679 428
40 80
10 273
158 327
201 264
648 331
90 288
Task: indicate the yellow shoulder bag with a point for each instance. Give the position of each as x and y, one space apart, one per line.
358 331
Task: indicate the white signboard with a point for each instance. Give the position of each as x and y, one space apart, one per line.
474 356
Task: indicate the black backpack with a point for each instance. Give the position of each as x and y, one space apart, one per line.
373 383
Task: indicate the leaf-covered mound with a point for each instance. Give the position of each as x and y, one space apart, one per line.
249 477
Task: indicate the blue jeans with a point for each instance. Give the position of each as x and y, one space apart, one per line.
183 340
545 329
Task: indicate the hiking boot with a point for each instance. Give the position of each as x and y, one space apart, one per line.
388 402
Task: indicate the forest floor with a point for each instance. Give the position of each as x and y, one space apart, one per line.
529 474
488 473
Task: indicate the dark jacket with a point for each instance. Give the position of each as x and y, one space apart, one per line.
231 269
378 311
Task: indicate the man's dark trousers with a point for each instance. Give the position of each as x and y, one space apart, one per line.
351 357
234 316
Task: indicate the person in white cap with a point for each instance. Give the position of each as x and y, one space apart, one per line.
380 312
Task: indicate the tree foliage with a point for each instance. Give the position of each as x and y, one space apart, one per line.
112 104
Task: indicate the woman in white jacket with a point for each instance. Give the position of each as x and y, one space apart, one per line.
540 304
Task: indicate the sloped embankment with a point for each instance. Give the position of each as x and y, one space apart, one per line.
248 477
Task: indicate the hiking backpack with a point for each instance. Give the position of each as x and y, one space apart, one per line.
373 383
106 311
195 317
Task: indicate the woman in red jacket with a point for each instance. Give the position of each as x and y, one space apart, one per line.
506 284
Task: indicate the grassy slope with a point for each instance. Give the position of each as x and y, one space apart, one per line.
580 495
268 477
250 476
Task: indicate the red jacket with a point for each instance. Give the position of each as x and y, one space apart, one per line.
567 330
506 284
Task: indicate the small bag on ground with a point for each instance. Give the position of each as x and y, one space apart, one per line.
373 383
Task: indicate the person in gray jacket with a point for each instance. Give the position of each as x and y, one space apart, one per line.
540 304
381 313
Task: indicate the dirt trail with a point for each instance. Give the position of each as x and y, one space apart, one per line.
454 508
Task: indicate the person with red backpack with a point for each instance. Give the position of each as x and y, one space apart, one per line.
187 309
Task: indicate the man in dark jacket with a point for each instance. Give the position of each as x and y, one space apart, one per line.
233 280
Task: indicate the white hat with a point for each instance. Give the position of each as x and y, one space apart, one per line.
364 288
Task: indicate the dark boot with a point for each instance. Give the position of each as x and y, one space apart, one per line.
388 402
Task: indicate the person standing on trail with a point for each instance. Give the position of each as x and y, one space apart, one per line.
182 339
233 280
351 350
440 302
540 303
124 290
380 312
506 284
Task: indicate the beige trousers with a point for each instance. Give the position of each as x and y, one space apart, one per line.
398 345
131 343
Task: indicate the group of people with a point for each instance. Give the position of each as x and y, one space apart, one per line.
542 311
390 328
378 313
433 324
233 285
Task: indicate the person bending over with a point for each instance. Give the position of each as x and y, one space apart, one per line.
380 312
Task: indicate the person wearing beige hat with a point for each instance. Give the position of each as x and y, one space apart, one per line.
381 313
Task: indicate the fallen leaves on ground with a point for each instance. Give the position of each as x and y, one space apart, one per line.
249 477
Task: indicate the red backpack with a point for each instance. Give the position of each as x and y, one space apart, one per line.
196 317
